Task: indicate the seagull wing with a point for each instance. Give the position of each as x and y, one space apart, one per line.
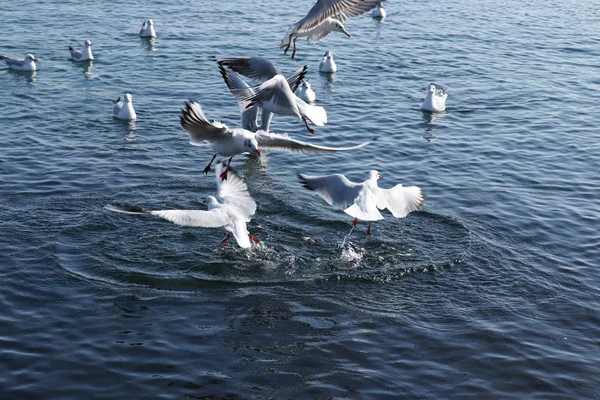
197 126
322 10
275 89
400 200
258 68
357 9
335 189
296 78
237 86
281 142
214 218
234 192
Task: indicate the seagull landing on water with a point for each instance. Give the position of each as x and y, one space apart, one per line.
305 92
230 210
231 142
124 109
275 95
364 200
82 55
327 63
147 29
435 102
27 64
324 17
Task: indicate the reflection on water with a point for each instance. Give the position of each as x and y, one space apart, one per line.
29 76
148 43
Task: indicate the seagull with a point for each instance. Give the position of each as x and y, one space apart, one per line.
364 200
324 17
124 110
230 210
231 142
327 63
147 29
28 64
305 92
435 102
275 95
379 12
82 55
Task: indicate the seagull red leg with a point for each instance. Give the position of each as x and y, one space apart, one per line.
355 222
209 164
311 130
369 228
254 239
224 173
226 240
288 45
294 52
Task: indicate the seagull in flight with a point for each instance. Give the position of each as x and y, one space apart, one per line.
230 210
231 142
364 200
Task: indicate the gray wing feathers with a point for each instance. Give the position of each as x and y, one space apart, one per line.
281 142
335 189
197 126
258 68
356 10
322 10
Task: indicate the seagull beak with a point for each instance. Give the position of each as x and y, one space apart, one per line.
257 152
35 59
346 33
379 177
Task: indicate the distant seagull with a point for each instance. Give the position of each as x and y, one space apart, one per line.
327 63
364 200
305 92
275 95
325 17
435 102
147 29
231 142
28 64
124 110
82 55
379 12
230 210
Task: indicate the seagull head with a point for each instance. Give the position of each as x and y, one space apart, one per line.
211 201
339 27
305 85
88 43
431 89
127 98
30 57
251 146
150 22
374 175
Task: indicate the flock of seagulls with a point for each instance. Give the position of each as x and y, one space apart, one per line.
269 93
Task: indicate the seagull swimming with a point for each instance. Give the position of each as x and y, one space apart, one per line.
147 29
231 142
364 200
275 95
379 12
435 102
305 92
124 110
324 17
327 63
28 64
82 55
230 210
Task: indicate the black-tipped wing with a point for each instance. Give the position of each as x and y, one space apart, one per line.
296 78
322 10
357 9
197 126
280 142
335 189
258 68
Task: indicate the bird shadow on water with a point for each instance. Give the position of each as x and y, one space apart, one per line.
28 76
85 67
148 43
126 128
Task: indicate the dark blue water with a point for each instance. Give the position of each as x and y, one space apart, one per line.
491 291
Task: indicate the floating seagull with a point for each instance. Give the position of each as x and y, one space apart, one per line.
124 110
147 29
231 209
325 17
28 64
379 12
327 63
435 102
275 95
364 200
305 92
82 55
231 142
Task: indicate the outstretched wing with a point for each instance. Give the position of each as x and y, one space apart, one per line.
337 191
281 142
276 90
322 10
296 78
197 126
357 9
198 218
258 68
237 85
234 192
400 200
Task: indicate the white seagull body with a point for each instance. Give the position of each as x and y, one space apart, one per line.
231 142
435 102
305 92
379 12
82 55
275 95
364 200
27 64
124 109
327 63
230 210
147 29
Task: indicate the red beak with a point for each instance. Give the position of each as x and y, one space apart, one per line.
257 152
346 33
379 177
